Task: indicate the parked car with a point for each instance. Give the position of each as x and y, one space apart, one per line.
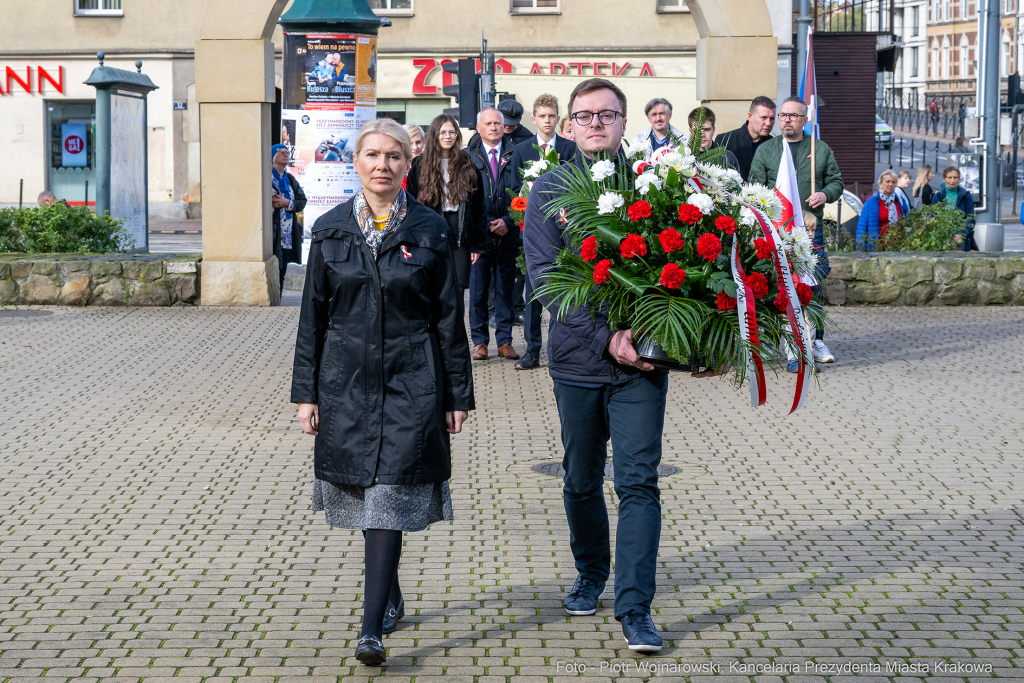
883 133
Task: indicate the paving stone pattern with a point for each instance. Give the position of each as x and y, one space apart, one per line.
878 526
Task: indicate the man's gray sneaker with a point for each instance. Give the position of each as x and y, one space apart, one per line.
582 599
640 632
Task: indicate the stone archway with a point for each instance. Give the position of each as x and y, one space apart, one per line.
736 57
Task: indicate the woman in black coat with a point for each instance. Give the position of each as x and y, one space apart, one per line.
288 202
382 372
444 178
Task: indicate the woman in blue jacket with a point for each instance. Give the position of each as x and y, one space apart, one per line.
879 212
952 194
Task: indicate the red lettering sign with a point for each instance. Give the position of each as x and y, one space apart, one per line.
447 78
503 66
560 65
535 69
580 66
74 144
419 85
618 72
26 84
646 70
597 68
58 84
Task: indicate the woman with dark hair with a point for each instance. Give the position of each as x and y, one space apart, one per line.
444 178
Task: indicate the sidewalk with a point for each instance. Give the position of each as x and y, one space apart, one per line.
157 524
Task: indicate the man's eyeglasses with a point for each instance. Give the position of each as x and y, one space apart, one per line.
788 116
606 117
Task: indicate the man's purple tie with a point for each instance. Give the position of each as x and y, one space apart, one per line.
494 163
544 148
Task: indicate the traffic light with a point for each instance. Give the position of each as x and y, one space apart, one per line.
464 91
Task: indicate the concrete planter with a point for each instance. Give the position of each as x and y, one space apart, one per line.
953 278
100 279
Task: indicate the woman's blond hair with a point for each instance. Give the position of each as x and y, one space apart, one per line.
810 221
392 129
923 171
885 173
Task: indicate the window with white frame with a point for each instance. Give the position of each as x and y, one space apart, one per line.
98 8
534 7
935 62
391 7
945 60
665 6
913 62
915 20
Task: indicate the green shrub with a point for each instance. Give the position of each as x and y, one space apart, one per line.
60 228
938 227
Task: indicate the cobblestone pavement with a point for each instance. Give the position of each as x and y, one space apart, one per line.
156 524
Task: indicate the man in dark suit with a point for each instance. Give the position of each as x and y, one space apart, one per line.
745 140
491 153
545 117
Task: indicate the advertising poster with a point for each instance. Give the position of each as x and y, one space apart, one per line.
970 172
330 92
128 165
73 151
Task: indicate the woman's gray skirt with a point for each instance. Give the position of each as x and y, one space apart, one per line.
401 507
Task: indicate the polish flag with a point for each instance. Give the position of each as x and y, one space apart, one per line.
788 192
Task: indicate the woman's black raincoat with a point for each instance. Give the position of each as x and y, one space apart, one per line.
382 350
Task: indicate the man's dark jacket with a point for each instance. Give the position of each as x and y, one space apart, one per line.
497 195
525 153
472 212
577 341
382 350
293 255
741 144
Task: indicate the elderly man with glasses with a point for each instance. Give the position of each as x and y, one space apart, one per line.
828 183
602 389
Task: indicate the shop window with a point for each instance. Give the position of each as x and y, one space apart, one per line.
98 8
71 154
535 7
665 6
392 7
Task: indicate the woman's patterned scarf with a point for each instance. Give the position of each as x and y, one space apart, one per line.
890 205
374 237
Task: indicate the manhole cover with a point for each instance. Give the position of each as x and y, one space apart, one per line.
22 314
555 469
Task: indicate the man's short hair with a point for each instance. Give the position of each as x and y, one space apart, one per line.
545 100
794 98
654 103
593 85
950 169
480 114
762 101
45 196
708 116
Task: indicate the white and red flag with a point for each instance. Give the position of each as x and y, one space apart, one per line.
788 192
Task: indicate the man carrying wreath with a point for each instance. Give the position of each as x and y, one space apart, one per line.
603 390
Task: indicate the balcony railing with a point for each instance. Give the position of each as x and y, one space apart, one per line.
853 16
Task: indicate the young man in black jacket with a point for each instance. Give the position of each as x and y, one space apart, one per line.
745 140
491 153
545 117
603 389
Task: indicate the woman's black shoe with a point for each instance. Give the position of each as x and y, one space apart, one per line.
370 651
393 615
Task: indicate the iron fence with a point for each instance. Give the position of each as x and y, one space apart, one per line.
939 115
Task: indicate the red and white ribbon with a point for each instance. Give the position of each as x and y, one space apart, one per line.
747 311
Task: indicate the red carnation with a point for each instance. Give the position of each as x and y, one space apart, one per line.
782 301
804 293
672 276
670 240
601 271
589 249
758 284
709 247
633 246
688 213
725 224
638 210
725 302
764 251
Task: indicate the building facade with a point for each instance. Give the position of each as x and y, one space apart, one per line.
953 46
648 47
907 83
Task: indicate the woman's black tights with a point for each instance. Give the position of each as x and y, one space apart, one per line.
380 583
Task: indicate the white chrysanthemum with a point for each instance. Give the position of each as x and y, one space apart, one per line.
763 198
703 202
644 181
601 170
636 148
609 201
659 155
536 169
800 251
734 175
747 217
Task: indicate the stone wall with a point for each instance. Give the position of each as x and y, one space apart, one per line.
100 280
927 278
